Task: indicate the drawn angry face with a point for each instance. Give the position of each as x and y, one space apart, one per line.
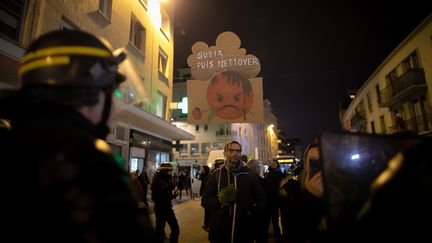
230 95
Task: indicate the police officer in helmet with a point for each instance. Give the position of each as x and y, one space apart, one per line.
163 191
74 188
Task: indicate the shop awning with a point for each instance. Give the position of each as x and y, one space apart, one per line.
149 123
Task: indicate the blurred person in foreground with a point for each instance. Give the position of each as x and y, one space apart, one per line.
233 195
312 190
76 190
399 198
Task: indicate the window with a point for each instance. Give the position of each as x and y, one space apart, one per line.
205 148
66 24
183 148
11 16
164 157
392 76
425 104
134 164
360 107
369 102
163 60
163 66
378 93
194 148
129 95
372 127
144 3
137 35
382 124
165 25
105 8
161 102
120 133
217 146
411 62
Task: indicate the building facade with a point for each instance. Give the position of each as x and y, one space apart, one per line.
144 28
398 95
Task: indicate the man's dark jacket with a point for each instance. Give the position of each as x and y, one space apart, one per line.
250 199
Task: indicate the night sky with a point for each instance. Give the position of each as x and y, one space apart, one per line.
310 52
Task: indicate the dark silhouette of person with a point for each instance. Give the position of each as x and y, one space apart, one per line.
400 122
145 181
272 182
244 158
260 230
188 185
162 194
181 182
76 189
291 209
204 175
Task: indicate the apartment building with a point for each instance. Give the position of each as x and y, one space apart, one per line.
398 95
141 131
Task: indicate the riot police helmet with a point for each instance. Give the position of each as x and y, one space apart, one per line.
70 67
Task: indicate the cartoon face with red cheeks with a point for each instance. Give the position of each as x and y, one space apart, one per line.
230 95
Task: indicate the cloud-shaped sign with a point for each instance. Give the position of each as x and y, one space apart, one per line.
226 55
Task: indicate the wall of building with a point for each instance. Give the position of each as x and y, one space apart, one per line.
85 15
205 135
42 16
420 41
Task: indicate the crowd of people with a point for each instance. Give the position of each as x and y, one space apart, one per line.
79 191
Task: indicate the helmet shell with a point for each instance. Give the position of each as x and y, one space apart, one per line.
75 64
166 166
68 58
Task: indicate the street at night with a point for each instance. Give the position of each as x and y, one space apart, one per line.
221 121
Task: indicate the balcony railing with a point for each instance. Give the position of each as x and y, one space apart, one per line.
225 133
410 84
419 124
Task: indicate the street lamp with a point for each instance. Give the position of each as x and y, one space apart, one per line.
155 14
271 133
270 129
